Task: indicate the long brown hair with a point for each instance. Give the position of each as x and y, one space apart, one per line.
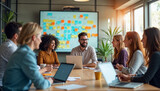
118 38
136 44
153 41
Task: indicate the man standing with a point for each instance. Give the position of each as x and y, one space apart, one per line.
12 31
87 52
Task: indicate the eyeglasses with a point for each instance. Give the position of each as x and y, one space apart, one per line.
84 39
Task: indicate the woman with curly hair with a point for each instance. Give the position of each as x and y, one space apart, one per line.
47 55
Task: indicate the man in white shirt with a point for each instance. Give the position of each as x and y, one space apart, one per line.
8 47
87 52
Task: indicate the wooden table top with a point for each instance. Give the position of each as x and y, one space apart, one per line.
87 78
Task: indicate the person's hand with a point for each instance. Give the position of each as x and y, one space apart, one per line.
50 80
55 65
119 67
48 68
123 77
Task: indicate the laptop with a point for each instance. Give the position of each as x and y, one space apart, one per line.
77 60
111 78
63 73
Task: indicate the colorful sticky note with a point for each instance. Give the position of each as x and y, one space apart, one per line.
88 35
65 24
74 16
85 14
75 36
53 34
44 30
67 42
86 17
53 23
68 27
44 33
67 46
58 27
58 22
80 22
76 29
83 27
62 21
58 31
69 21
54 27
47 27
62 27
50 27
65 31
81 16
58 34
94 26
49 14
76 22
72 22
68 24
72 36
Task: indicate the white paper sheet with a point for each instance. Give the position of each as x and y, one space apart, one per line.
70 87
73 78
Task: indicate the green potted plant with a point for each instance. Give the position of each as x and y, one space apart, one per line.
8 17
105 48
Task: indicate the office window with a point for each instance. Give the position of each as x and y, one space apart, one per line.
154 14
138 21
127 22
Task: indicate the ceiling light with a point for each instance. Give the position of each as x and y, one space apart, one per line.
81 0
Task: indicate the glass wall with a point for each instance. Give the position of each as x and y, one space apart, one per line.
154 13
138 21
127 22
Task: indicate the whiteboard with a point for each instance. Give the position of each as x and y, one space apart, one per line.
66 26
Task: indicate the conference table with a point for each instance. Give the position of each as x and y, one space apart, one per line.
87 78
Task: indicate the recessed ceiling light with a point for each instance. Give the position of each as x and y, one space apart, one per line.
81 0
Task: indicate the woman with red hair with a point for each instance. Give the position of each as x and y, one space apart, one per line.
136 61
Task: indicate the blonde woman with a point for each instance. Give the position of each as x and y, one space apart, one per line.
22 69
120 54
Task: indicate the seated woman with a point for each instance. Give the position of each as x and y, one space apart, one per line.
135 64
120 54
22 70
151 42
47 55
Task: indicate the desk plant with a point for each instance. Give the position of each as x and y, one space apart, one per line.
105 47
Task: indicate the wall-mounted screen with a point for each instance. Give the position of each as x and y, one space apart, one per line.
66 26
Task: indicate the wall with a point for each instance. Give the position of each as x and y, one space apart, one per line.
28 10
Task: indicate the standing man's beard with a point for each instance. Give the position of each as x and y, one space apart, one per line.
84 45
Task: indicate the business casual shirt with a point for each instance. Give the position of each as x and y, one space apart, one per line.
46 58
22 71
136 64
6 50
152 76
122 58
87 55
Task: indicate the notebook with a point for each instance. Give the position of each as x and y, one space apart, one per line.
111 78
63 73
77 60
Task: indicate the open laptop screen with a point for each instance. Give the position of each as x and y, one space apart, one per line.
108 72
63 71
